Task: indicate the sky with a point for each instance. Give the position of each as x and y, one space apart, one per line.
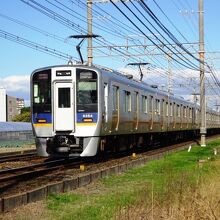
18 61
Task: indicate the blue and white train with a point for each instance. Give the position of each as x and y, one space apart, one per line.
80 110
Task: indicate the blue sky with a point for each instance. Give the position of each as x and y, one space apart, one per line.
18 61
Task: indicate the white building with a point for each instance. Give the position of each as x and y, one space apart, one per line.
2 105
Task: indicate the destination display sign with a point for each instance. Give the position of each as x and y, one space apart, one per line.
63 73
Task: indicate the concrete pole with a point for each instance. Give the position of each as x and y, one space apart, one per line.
202 75
89 21
170 87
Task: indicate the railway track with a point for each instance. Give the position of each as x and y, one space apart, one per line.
17 156
10 178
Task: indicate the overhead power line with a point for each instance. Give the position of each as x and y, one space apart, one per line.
143 32
36 46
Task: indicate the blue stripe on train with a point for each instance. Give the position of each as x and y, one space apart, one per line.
80 117
88 115
41 116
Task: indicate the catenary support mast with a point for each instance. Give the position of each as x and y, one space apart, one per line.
89 17
202 75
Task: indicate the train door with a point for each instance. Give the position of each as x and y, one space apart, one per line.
174 115
105 110
136 111
151 112
157 114
162 114
63 107
194 117
115 109
181 116
171 116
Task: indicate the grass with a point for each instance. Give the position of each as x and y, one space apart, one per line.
175 187
171 180
15 143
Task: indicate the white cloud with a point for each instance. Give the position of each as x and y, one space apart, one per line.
17 86
16 83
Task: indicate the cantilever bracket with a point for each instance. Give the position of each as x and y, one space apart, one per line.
139 66
83 37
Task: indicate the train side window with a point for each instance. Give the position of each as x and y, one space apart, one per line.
106 101
127 101
174 109
157 106
181 111
167 109
171 109
136 102
144 104
178 111
115 98
162 108
190 112
151 104
184 111
187 112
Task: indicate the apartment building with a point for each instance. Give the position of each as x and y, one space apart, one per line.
9 106
2 105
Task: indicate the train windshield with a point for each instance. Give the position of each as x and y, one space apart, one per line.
86 91
42 92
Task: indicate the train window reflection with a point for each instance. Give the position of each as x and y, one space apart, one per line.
87 97
87 93
144 104
115 99
36 90
64 97
127 102
42 91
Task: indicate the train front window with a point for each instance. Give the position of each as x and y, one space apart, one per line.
42 92
87 100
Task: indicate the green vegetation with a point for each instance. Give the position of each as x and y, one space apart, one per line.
25 115
15 143
168 184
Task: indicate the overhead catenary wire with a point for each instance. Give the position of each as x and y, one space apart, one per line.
84 4
166 31
66 22
123 26
119 51
31 27
36 46
142 32
169 34
82 19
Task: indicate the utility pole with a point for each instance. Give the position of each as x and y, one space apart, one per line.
202 75
169 58
89 21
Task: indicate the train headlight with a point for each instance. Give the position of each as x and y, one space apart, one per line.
87 120
41 120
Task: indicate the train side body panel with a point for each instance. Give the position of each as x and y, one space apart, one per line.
75 109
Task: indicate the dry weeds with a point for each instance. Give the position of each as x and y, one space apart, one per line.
185 202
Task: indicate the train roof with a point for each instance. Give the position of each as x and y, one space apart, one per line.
122 75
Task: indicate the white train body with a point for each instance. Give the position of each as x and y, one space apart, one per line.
78 110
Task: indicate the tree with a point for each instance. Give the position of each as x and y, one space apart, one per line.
25 115
25 109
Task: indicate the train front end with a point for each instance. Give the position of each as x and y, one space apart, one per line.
65 111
